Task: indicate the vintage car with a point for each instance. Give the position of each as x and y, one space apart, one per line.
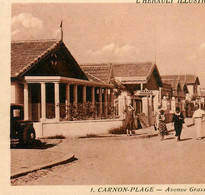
20 129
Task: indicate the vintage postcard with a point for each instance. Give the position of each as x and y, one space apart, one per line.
103 98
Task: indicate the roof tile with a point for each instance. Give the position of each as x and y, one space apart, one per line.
188 78
26 53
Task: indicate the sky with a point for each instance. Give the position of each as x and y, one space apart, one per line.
172 35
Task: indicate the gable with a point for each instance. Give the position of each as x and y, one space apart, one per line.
26 53
154 81
53 59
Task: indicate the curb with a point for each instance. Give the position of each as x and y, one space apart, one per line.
44 166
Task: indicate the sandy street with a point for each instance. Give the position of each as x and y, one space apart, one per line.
127 160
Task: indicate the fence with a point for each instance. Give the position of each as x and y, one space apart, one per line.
86 111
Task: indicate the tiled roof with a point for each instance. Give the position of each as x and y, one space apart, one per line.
172 82
24 54
106 72
101 72
188 78
92 78
132 70
166 86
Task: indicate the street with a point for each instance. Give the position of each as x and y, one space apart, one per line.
127 160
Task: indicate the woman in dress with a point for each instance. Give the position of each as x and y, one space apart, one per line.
197 119
162 125
129 120
178 120
157 114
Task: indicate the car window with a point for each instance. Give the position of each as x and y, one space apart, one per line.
16 113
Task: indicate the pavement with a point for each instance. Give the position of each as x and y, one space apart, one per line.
42 155
52 152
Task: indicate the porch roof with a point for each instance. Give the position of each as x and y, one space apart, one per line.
59 79
102 72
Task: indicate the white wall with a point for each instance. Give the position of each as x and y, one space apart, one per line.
76 128
13 93
191 90
123 100
17 93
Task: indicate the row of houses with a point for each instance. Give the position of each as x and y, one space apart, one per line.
63 97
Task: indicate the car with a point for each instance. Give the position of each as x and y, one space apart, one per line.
20 129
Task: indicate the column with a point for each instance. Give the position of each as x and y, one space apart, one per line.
57 102
156 101
43 102
93 96
145 105
111 97
141 86
160 95
173 105
84 94
75 95
105 102
25 101
100 101
67 101
164 103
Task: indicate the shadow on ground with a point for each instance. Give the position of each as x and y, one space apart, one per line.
169 138
186 139
36 145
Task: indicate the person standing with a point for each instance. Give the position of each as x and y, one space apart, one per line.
157 114
197 119
178 120
129 119
162 125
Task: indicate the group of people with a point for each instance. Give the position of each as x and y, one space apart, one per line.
160 125
178 121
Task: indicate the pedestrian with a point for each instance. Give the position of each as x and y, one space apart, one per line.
178 120
129 119
197 119
162 125
157 113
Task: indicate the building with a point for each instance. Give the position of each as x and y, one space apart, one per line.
191 81
142 86
187 93
48 81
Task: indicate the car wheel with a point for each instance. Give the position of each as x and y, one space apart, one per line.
29 135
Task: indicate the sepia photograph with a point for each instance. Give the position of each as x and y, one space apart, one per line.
108 95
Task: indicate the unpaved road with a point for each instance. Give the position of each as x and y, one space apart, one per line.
126 160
